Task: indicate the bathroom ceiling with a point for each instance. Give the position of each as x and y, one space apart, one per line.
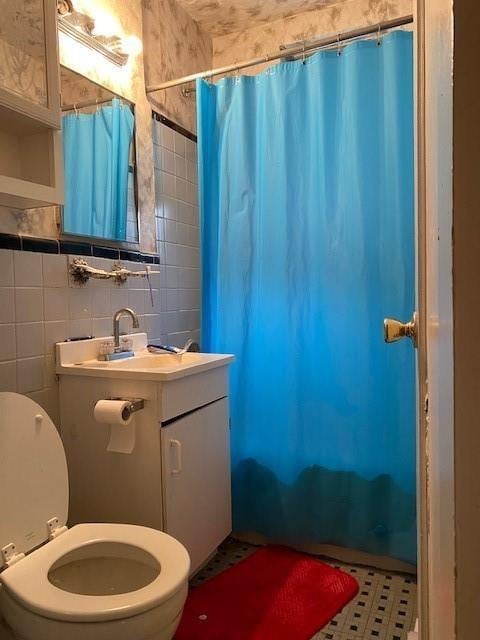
219 17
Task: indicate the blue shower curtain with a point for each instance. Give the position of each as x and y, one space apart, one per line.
96 148
307 205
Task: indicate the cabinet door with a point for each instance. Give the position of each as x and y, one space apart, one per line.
197 486
29 59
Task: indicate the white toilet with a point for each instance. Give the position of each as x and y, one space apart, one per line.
95 581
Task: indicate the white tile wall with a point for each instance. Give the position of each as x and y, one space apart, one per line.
175 158
40 306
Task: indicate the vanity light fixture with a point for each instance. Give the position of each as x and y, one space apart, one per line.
81 28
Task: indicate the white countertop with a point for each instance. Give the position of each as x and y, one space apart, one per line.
76 359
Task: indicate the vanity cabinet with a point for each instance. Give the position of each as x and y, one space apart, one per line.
177 476
30 139
196 472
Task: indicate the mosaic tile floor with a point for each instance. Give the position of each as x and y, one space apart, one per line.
384 609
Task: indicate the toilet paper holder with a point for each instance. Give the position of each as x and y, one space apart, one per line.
135 404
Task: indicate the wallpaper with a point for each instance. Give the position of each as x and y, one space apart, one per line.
264 39
76 89
219 17
22 26
174 46
124 19
22 49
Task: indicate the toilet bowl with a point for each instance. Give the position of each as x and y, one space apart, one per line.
95 581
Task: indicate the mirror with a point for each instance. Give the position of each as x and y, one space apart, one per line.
99 161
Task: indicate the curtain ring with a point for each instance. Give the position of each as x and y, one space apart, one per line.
75 109
379 40
303 53
267 60
97 105
339 51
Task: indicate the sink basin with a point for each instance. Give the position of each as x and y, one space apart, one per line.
157 361
77 360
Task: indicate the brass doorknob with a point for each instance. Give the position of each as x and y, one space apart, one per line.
395 330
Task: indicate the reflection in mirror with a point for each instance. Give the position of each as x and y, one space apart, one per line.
99 161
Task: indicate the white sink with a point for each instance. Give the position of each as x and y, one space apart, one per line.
158 361
77 358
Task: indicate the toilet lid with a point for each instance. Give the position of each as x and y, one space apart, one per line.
33 474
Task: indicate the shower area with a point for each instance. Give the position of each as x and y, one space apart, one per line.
306 183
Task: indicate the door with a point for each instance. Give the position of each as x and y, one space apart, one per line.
436 462
432 330
196 475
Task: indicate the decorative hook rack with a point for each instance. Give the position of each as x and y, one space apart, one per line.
81 272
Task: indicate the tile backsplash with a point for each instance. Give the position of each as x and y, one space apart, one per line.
41 305
177 221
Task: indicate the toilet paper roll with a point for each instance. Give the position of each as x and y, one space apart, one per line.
112 412
122 438
122 430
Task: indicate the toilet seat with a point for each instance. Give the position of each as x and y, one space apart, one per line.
28 583
35 540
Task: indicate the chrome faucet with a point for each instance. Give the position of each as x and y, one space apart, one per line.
121 313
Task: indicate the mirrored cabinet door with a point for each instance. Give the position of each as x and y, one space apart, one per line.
29 58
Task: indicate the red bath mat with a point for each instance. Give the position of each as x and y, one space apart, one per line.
275 594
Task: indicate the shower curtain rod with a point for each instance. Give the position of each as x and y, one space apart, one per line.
86 103
305 47
96 103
